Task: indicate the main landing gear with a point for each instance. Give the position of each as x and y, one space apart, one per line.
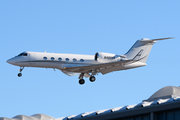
92 78
20 70
82 81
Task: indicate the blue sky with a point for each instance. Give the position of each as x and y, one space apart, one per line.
85 27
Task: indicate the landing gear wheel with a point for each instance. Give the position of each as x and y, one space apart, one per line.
19 74
81 81
92 78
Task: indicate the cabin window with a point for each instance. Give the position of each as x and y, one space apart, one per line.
67 59
81 60
52 58
59 59
45 58
74 60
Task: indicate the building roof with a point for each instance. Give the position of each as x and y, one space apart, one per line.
165 98
166 92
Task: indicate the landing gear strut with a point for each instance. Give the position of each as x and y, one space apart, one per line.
92 78
20 74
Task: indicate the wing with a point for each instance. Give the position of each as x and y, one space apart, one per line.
104 68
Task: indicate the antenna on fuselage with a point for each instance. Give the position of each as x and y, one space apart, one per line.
45 51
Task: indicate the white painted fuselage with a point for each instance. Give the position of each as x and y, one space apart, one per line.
52 60
61 61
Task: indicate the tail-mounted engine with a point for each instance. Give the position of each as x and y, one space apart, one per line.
104 57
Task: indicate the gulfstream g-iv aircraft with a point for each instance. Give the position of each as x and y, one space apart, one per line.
87 65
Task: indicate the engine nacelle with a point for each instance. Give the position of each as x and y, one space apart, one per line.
105 57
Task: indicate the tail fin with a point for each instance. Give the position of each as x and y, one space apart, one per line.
141 49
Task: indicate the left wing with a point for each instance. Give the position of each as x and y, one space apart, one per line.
104 68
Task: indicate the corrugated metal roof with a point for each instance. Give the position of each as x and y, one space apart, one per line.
142 105
33 117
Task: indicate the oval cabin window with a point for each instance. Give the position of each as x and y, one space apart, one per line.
52 58
67 59
45 58
74 60
81 60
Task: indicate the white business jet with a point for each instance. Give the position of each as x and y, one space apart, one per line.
87 65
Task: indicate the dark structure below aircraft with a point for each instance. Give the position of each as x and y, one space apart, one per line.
162 105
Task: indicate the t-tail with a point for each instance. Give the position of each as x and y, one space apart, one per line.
141 49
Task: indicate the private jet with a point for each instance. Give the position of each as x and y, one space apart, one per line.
87 65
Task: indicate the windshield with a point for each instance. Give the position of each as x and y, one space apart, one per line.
23 54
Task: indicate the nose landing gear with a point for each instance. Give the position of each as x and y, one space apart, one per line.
20 74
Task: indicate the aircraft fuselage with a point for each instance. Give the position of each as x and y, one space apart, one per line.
87 65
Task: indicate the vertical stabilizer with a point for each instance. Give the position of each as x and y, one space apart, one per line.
141 49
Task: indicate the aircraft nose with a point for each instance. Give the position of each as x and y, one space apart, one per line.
11 61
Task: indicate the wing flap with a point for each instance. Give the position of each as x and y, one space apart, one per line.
111 69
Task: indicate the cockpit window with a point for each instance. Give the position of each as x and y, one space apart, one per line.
23 54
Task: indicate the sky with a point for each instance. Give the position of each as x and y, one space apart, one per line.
85 27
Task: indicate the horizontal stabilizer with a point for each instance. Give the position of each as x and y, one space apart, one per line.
154 40
163 38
